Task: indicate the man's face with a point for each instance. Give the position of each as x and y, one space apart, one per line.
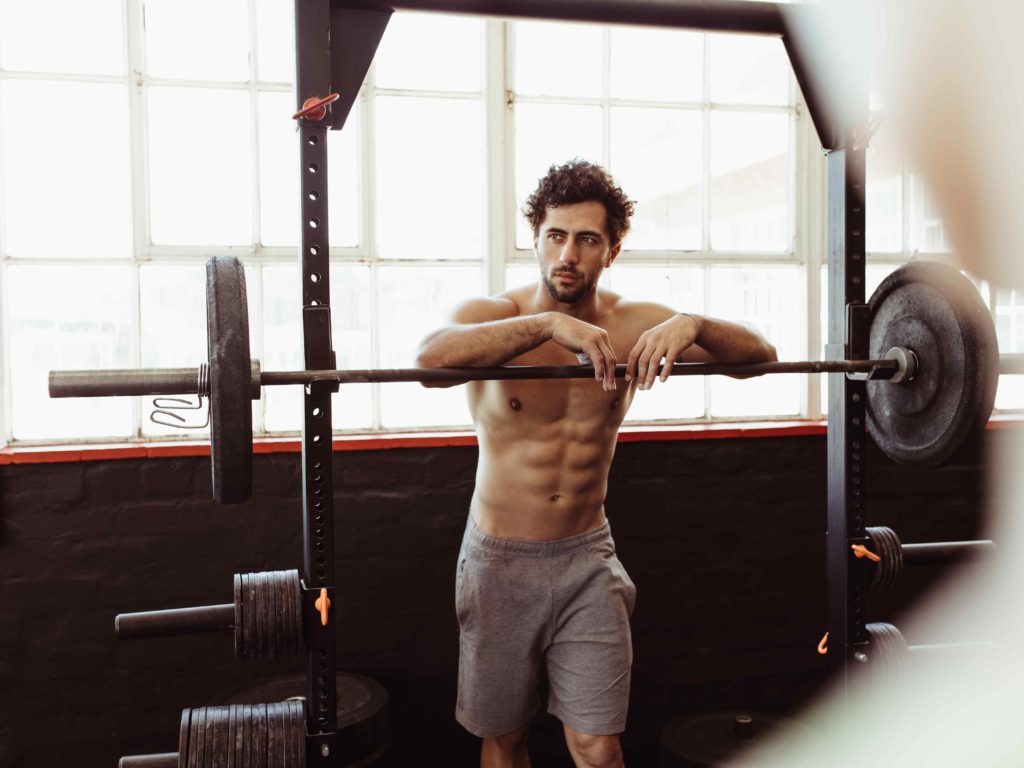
573 248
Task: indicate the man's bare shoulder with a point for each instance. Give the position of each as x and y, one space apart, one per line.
484 309
645 314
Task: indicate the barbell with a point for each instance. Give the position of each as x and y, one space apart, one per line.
931 338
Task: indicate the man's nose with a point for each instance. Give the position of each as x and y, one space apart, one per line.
569 254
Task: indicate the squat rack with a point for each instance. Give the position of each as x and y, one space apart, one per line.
335 41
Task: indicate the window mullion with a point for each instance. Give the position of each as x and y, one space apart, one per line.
497 234
368 236
135 46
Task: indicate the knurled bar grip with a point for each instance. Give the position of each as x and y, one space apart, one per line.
173 381
176 621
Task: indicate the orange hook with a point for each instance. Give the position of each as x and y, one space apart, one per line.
322 604
861 551
315 108
822 647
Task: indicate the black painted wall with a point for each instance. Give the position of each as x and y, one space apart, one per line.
724 539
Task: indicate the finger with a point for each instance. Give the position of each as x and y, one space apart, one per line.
597 359
652 368
609 354
670 359
634 353
642 363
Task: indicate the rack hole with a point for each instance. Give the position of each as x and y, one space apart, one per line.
318 412
320 546
313 195
314 223
319 533
321 561
314 277
312 139
319 521
322 574
314 250
313 168
318 479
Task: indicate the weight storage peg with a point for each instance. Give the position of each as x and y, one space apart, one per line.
266 617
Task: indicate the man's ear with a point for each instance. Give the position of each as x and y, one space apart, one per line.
612 253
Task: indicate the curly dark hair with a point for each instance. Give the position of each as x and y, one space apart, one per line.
579 181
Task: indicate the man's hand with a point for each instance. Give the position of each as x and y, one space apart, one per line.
662 342
580 337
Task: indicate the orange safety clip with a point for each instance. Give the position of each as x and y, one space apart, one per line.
315 107
322 604
861 551
822 647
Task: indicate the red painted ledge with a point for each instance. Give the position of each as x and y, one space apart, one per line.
48 454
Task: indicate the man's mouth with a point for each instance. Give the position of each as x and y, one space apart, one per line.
567 275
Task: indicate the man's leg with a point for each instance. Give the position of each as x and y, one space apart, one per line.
593 751
506 751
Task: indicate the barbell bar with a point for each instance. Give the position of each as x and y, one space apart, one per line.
930 335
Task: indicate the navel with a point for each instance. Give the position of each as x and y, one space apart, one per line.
515 405
555 496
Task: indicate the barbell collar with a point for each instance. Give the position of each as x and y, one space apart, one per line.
176 621
141 381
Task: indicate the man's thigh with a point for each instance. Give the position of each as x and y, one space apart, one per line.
503 615
590 658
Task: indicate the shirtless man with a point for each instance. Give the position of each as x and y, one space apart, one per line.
538 582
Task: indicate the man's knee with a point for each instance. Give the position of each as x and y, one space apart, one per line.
594 751
508 743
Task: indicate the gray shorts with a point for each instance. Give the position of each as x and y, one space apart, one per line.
563 604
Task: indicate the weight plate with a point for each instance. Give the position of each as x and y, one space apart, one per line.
248 615
296 731
713 738
259 637
239 621
227 332
274 611
183 738
197 738
216 738
273 736
937 313
232 737
246 718
362 712
294 593
259 736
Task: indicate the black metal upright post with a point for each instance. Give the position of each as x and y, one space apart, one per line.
313 79
847 338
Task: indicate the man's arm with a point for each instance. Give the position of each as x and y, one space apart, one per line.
692 338
482 333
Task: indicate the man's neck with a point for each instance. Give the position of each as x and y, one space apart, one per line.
587 308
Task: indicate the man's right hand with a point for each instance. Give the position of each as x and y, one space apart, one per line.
580 337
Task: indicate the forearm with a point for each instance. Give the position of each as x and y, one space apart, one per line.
483 344
730 342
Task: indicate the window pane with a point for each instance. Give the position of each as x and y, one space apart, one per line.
546 135
750 172
31 40
279 175
197 40
84 322
682 289
884 210
414 301
926 231
746 69
172 304
517 275
200 179
772 299
558 59
1009 311
430 178
67 192
352 408
275 41
656 156
656 64
430 52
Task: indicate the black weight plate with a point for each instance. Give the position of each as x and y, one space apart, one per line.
274 612
246 718
197 739
259 736
937 313
227 332
232 737
239 621
710 739
362 711
260 621
273 736
248 614
295 633
216 738
296 731
183 737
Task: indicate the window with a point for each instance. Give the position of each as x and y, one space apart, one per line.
182 147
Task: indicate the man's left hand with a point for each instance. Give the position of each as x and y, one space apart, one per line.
667 342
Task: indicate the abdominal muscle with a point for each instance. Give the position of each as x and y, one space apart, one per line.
545 451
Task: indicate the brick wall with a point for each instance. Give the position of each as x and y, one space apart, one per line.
724 539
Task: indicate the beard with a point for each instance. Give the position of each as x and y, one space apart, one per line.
568 294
